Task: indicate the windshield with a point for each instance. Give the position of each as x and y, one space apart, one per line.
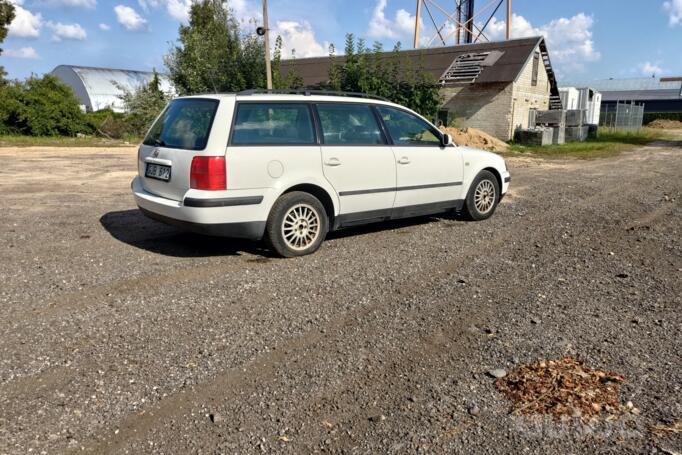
185 124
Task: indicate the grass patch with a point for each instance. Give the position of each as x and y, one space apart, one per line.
609 143
60 141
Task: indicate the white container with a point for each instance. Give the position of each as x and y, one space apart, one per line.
584 98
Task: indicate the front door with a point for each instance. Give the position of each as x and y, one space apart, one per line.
429 176
357 161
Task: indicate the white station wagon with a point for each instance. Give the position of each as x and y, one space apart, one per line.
289 168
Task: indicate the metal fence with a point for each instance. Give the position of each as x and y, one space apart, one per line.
626 116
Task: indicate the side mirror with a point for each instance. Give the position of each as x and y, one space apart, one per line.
446 140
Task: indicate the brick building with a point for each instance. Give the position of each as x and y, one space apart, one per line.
490 86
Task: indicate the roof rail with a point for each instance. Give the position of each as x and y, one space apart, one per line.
307 92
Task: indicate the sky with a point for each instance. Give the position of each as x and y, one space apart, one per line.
587 39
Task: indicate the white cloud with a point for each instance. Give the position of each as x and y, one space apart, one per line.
569 39
179 9
298 37
67 31
25 23
24 52
381 27
90 4
650 69
674 10
244 10
104 27
129 18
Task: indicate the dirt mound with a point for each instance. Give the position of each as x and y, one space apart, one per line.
663 124
564 388
473 137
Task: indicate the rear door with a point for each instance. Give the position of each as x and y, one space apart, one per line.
429 176
181 132
357 161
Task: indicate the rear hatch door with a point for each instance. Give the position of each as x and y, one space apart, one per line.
179 134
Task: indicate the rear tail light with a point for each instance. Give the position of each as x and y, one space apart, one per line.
208 173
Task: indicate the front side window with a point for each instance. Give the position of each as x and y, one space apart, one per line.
185 124
273 123
408 129
352 124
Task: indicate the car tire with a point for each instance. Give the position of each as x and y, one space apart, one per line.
297 225
483 197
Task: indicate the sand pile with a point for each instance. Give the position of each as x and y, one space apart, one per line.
663 124
473 137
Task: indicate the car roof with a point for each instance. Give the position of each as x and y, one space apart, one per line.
295 97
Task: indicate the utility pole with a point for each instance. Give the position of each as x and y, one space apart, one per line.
509 18
268 70
417 19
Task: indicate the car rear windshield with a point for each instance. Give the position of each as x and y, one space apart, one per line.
185 124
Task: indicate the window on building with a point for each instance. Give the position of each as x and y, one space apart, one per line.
273 123
349 124
536 69
408 129
465 69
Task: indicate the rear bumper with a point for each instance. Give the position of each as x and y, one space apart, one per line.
237 217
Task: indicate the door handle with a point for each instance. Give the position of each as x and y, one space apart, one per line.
332 162
404 160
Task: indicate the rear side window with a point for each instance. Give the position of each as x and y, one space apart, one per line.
349 124
408 129
185 124
273 123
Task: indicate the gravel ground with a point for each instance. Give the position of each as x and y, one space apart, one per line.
122 335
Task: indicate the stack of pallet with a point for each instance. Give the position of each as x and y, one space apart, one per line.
576 127
555 126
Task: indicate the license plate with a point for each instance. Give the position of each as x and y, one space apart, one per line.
158 171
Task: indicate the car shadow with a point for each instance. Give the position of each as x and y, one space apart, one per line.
135 229
393 225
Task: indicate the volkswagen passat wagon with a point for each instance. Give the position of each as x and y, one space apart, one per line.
289 168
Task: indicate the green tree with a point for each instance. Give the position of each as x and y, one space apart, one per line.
277 81
212 55
6 18
334 70
207 57
143 105
391 75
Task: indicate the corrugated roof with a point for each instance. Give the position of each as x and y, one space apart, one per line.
436 60
103 85
639 89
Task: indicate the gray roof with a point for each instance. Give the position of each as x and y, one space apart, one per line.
636 89
98 88
436 60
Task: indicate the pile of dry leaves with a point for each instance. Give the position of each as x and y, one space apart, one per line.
565 388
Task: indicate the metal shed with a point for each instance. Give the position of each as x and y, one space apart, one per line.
656 94
98 88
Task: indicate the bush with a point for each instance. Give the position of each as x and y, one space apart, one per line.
110 124
143 105
41 107
10 108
